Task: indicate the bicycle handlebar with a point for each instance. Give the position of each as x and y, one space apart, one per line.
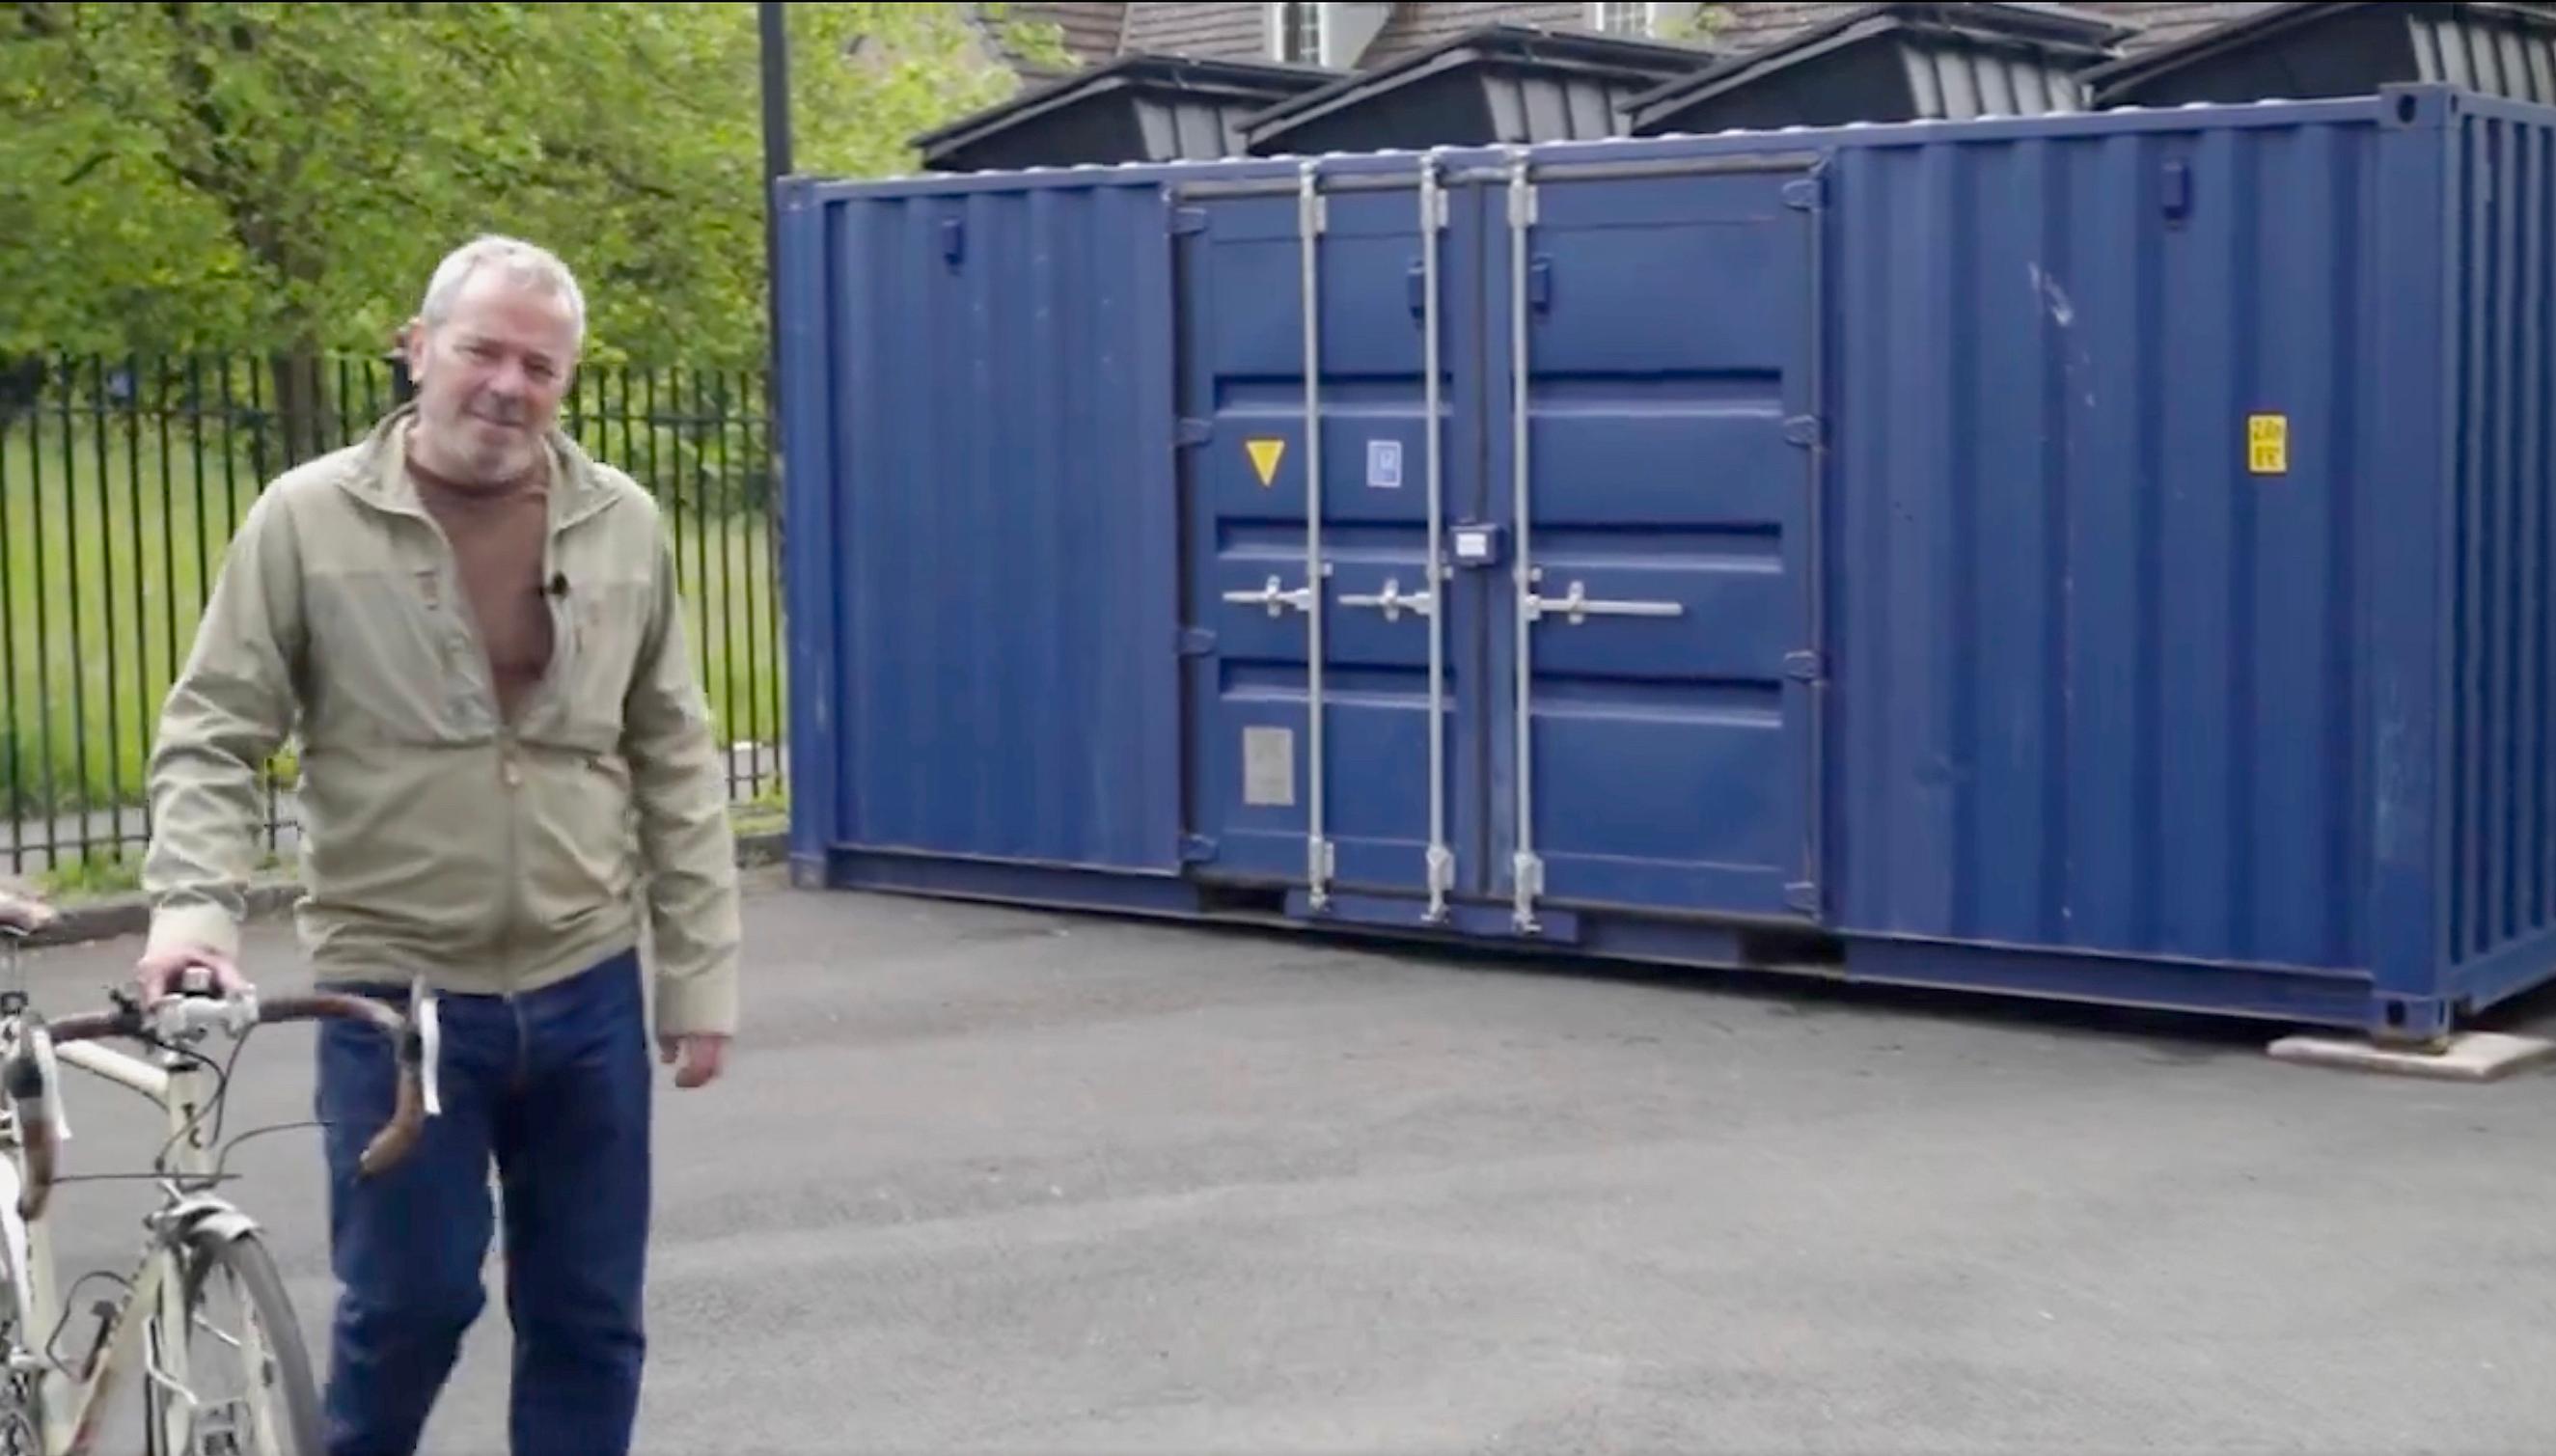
29 1074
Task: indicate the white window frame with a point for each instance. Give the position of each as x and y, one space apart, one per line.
1650 20
1277 24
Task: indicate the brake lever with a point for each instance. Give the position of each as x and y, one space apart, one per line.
52 1082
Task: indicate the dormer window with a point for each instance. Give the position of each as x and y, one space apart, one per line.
1296 33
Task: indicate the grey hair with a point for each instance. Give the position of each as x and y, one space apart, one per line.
518 260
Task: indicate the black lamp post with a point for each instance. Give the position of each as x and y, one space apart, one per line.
776 160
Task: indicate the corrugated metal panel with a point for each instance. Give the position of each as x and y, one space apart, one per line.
2507 54
2177 623
2097 683
1526 105
2502 775
1953 82
998 525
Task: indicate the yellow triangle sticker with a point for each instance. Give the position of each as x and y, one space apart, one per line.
1264 458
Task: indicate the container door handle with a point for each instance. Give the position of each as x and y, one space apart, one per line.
1270 596
1575 606
1392 603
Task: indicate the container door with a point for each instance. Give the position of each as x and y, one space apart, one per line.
1656 325
1315 761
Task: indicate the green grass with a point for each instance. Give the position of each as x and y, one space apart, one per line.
108 542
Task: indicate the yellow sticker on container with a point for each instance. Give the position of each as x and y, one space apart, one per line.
1264 458
2267 443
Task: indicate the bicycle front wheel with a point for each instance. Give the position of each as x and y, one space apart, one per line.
246 1380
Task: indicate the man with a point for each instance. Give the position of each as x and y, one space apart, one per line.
506 768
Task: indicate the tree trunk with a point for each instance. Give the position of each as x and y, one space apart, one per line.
301 406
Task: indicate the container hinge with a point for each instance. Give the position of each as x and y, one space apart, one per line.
1804 667
1196 849
1188 221
1444 208
1804 431
1806 193
1522 208
1196 642
1195 432
1801 896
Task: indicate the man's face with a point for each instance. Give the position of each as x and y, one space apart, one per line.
491 377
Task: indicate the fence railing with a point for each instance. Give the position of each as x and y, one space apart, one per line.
122 479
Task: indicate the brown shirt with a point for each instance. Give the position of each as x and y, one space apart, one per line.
498 534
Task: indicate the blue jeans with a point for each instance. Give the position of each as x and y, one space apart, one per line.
554 1089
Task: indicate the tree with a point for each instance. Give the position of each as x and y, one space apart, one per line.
281 178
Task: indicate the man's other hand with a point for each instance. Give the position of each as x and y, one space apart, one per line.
703 1054
159 971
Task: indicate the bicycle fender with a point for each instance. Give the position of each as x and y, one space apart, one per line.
203 1216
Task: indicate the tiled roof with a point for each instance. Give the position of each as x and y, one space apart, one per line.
1097 33
1745 27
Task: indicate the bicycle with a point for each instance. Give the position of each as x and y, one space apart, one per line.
51 1405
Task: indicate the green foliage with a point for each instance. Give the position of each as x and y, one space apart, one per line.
94 876
284 176
1694 25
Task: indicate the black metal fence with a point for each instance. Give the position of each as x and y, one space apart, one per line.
122 479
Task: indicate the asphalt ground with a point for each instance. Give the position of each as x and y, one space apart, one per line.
985 1179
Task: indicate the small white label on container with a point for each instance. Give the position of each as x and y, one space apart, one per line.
1268 766
1384 465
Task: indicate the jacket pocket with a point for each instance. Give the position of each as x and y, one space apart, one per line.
399 658
580 834
603 635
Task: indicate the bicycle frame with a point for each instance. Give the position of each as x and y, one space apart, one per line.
148 1326
73 1403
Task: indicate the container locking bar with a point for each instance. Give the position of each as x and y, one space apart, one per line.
1272 597
1441 863
1576 606
1526 870
1393 603
1318 860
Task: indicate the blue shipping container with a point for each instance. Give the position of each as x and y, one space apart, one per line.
2099 557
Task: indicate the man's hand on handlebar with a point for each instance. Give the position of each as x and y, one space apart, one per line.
160 973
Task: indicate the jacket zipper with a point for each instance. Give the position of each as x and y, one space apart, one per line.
509 774
510 767
505 934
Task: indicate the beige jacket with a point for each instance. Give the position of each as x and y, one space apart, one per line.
435 838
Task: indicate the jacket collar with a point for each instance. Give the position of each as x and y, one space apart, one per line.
378 473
